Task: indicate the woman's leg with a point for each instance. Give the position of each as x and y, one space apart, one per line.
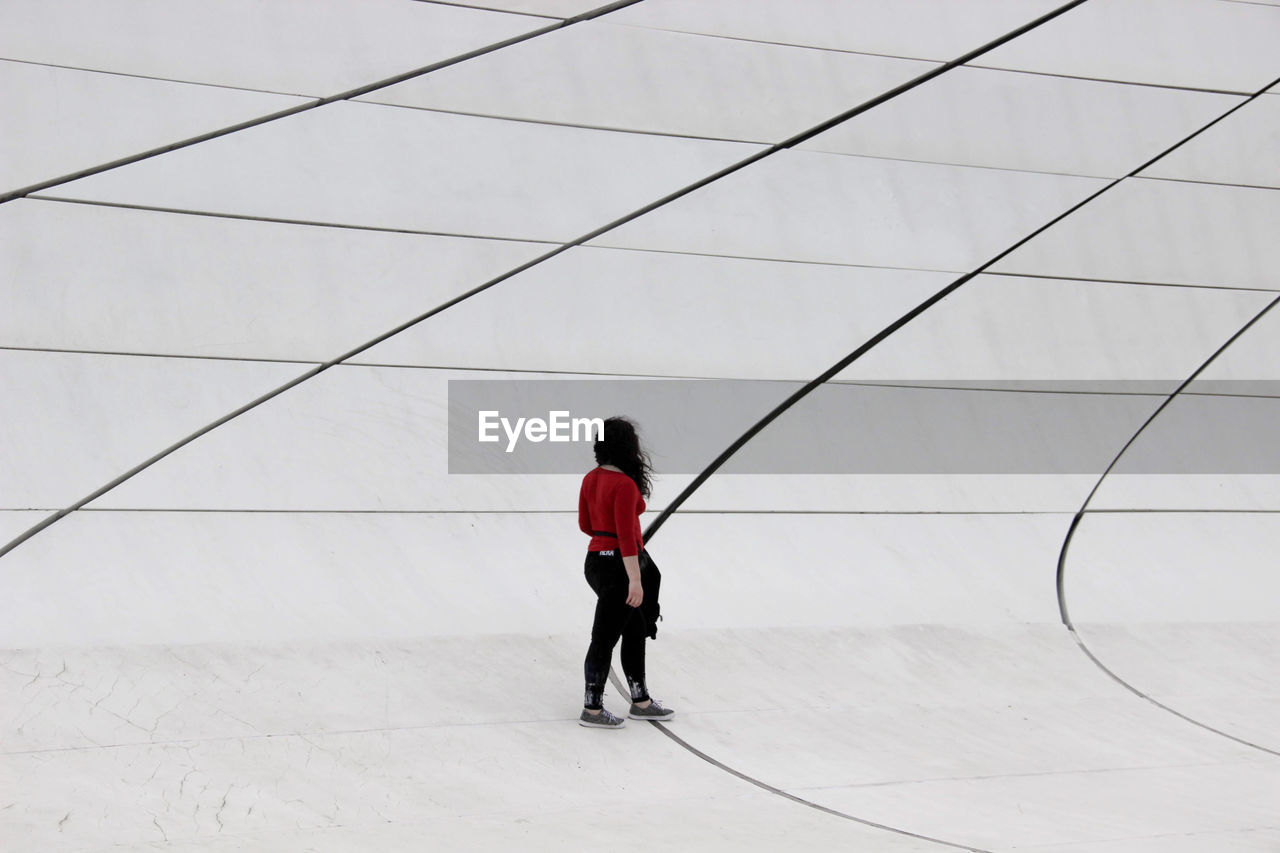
634 635
608 578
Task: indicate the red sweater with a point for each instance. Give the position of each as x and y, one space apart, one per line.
609 502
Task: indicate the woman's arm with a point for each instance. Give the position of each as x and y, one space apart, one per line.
635 592
625 500
584 514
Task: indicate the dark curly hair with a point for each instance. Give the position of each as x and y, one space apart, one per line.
620 446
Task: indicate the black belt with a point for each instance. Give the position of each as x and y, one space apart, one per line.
603 533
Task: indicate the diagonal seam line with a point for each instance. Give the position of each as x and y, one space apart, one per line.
282 220
591 235
1209 183
389 229
840 365
133 75
904 58
487 9
314 104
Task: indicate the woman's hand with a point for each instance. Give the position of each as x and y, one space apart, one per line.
635 593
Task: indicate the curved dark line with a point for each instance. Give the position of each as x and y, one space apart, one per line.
591 235
313 104
1135 691
1084 508
765 786
840 365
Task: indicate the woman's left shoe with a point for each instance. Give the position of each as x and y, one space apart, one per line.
654 712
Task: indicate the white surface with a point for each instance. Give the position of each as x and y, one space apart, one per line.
87 419
208 740
395 680
1179 605
1163 231
835 209
364 439
357 438
12 524
1204 44
923 29
1173 568
1222 675
383 576
1014 328
699 316
283 46
1253 355
374 439
365 576
604 75
58 121
1009 720
1200 492
1240 149
1012 722
764 493
1106 808
1001 119
73 277
364 164
364 746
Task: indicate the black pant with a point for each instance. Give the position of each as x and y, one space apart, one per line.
614 618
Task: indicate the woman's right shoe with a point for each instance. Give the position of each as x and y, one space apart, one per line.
603 720
653 711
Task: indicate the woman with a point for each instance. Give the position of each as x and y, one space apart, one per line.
609 507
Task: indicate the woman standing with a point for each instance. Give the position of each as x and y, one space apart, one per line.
609 507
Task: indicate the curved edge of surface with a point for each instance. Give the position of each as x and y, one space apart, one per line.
1084 509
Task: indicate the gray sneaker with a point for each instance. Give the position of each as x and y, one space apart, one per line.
603 720
654 712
